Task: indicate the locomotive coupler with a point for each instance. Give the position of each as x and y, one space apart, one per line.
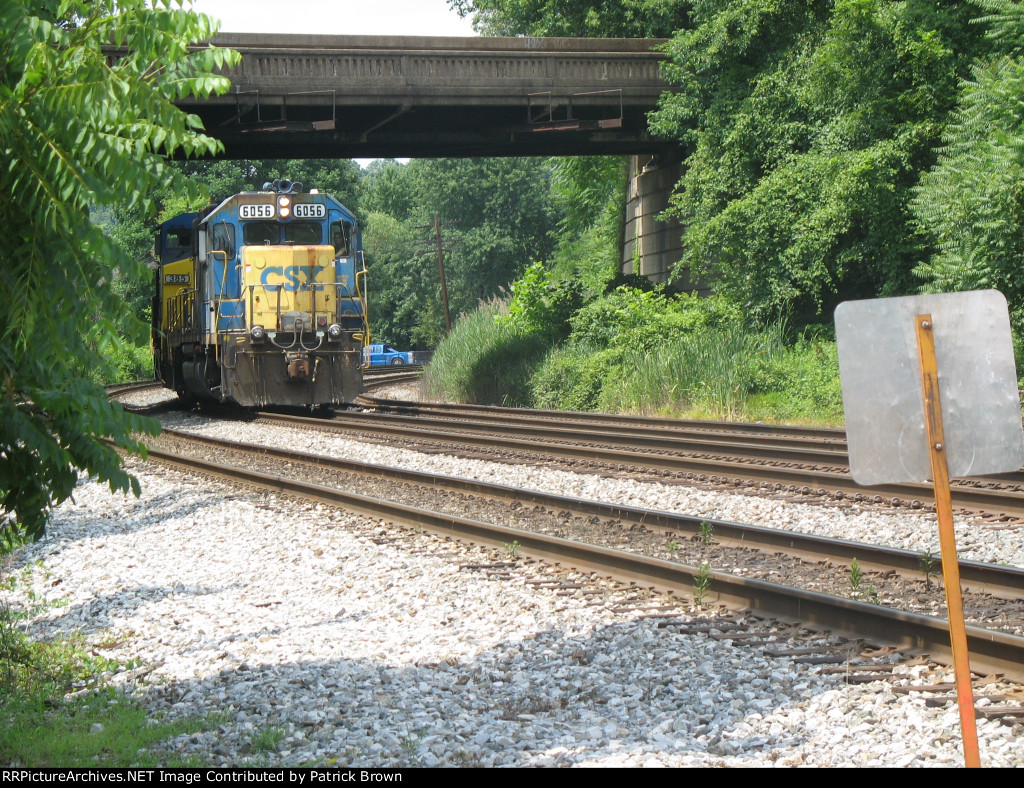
298 366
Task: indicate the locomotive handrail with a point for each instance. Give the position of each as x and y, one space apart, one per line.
365 299
216 303
179 308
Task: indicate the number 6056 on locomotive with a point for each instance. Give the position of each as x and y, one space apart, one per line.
260 300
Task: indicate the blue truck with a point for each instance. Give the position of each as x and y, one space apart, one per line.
385 355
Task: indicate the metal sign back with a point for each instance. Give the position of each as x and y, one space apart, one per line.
882 393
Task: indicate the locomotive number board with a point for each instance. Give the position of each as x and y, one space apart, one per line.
258 211
310 210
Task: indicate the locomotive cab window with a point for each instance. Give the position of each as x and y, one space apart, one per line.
306 233
260 233
340 234
223 239
177 245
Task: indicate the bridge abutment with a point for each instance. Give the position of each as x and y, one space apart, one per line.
652 245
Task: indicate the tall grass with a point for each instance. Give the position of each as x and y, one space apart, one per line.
724 371
713 371
484 361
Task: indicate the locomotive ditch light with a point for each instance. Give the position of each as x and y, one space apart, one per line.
257 333
334 332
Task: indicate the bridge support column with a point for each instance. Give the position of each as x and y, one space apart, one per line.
651 247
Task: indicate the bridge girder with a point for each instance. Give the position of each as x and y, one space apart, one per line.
383 97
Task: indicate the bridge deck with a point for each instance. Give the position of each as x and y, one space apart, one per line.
327 96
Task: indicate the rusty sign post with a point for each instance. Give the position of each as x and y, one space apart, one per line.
947 537
906 422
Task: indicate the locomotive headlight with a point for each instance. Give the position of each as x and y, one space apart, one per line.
283 205
256 333
285 213
334 332
284 202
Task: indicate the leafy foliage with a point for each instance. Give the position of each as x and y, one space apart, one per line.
647 320
972 200
541 306
806 125
497 216
80 130
589 192
572 377
605 19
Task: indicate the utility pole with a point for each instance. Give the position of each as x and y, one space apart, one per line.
440 266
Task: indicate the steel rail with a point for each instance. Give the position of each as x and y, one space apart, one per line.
830 442
459 410
806 480
991 652
394 378
992 578
114 389
775 446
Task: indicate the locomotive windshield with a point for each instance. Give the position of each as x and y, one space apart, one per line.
264 233
177 245
303 233
260 233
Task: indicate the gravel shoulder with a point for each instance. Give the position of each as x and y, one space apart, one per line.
360 649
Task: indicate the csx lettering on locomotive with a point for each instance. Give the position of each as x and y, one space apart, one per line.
295 277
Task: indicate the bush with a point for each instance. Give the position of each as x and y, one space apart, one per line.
801 383
541 306
646 320
642 352
572 378
131 363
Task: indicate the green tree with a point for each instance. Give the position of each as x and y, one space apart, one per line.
80 130
498 217
589 192
972 201
605 19
806 125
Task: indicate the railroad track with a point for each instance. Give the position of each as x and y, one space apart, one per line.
771 464
803 445
497 414
376 378
992 651
115 389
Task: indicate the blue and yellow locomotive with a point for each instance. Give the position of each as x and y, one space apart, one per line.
260 300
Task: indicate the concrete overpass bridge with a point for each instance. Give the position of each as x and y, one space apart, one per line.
331 96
